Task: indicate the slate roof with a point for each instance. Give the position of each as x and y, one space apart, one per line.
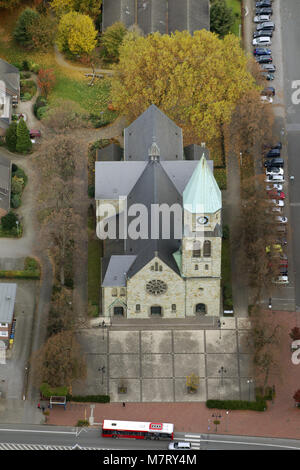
164 16
11 76
5 183
114 179
153 123
116 270
7 301
110 153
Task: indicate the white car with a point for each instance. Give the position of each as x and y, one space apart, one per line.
280 219
262 41
261 18
276 209
277 202
281 280
272 178
274 171
266 99
274 187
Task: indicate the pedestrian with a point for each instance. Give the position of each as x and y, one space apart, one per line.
39 406
124 404
43 409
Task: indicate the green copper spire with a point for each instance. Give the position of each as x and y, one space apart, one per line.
202 194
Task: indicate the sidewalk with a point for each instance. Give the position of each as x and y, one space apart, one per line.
281 419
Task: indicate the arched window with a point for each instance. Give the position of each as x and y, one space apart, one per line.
196 250
114 292
207 249
201 309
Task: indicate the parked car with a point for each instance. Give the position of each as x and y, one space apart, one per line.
35 133
269 90
268 67
279 162
281 220
273 153
281 229
262 51
263 4
264 11
274 171
266 99
281 280
266 25
264 59
278 202
283 271
261 18
277 195
277 146
276 178
268 76
272 187
263 40
264 32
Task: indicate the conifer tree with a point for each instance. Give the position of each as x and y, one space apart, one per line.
11 137
24 144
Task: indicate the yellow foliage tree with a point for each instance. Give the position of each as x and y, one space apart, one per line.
87 7
76 34
196 80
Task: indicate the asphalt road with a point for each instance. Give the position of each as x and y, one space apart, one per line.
290 21
65 438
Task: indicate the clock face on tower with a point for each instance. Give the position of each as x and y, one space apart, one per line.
202 220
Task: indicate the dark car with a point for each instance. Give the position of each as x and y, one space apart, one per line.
263 4
264 32
264 59
276 146
268 91
278 162
268 67
273 153
266 25
283 270
262 51
264 11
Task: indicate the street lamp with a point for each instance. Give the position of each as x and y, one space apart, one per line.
222 371
102 369
219 326
103 326
249 382
226 424
17 223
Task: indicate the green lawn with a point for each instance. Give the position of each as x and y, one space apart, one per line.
226 272
236 7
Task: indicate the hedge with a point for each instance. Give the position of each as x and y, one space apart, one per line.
20 274
89 398
258 405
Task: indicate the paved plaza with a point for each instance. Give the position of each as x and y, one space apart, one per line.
152 365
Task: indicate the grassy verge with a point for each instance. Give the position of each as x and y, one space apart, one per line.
221 177
236 7
94 267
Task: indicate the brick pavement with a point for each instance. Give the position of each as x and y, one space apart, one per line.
281 419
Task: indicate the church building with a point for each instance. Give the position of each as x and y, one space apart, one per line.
158 271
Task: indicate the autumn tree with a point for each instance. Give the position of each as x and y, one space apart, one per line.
196 80
295 333
257 236
221 17
251 123
87 7
59 361
76 34
43 32
9 3
111 40
46 81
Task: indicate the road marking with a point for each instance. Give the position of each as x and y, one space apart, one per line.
293 127
35 431
251 444
294 204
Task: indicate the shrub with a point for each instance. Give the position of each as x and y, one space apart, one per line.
258 405
14 168
17 185
8 221
41 112
91 191
226 232
35 68
82 422
27 96
19 173
11 137
31 264
15 201
89 398
25 75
